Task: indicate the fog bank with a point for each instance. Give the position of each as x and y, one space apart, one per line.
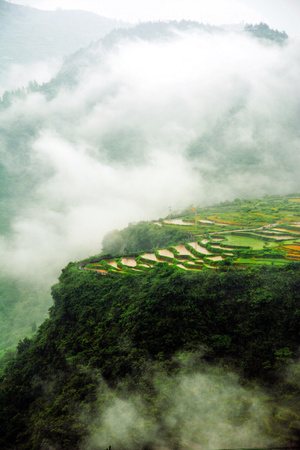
128 129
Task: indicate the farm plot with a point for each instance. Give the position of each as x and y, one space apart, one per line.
113 263
199 248
292 249
97 268
280 237
128 262
221 248
166 253
215 258
254 232
189 266
261 261
150 256
195 263
206 241
177 222
288 231
184 251
245 241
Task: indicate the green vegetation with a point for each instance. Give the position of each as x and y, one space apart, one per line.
155 318
263 31
16 300
245 215
141 237
130 328
245 241
252 236
261 262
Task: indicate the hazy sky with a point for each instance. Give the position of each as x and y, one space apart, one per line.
280 14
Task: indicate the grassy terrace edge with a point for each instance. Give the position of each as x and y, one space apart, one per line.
240 233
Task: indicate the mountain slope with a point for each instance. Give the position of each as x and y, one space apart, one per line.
28 34
160 115
133 344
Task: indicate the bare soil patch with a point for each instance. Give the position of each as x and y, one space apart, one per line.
128 262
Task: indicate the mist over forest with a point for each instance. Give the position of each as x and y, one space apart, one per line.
120 129
160 115
33 43
128 129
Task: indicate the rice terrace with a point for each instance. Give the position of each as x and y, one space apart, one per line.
240 233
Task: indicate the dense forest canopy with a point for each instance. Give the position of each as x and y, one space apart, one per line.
263 31
126 359
121 342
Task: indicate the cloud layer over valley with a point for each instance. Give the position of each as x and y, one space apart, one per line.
128 129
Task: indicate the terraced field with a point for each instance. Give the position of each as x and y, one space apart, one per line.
245 241
255 232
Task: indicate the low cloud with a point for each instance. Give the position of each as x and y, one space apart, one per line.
197 118
205 408
16 76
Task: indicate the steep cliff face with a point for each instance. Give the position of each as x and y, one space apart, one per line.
117 337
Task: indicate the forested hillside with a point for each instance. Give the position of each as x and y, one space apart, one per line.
263 31
176 145
136 343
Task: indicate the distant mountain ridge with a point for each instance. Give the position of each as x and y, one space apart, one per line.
28 34
149 32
